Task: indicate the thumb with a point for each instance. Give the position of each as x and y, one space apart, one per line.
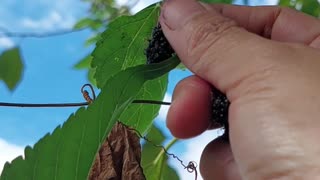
211 45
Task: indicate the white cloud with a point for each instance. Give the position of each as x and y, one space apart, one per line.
6 42
17 15
53 20
8 152
164 108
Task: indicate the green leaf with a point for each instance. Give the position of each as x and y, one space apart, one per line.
69 152
154 161
181 67
87 22
90 77
122 46
140 116
311 7
11 67
84 63
92 40
149 152
284 3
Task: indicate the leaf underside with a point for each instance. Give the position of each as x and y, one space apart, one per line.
122 46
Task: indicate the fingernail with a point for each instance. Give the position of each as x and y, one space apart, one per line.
175 13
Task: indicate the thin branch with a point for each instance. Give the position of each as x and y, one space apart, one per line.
46 105
151 102
85 95
7 33
43 105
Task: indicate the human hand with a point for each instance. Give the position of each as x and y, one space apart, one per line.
267 61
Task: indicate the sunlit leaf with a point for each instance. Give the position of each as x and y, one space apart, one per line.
11 67
70 150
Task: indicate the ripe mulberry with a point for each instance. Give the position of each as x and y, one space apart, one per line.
220 107
159 48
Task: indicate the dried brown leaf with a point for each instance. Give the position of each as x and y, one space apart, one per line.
119 157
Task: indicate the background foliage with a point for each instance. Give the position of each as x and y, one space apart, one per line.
112 60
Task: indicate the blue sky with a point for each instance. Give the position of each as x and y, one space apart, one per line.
49 76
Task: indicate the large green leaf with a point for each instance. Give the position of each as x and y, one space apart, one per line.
11 67
70 150
121 46
154 161
140 116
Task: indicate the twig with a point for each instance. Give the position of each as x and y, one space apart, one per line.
86 96
47 105
43 105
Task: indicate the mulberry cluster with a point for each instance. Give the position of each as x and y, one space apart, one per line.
159 48
220 107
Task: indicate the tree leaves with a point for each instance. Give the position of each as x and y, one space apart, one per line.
122 46
11 67
69 151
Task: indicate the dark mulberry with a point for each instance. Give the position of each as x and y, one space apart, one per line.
220 108
159 48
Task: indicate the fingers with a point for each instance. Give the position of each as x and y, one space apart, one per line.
189 112
217 161
213 46
274 22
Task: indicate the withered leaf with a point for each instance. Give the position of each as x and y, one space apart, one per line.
119 157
